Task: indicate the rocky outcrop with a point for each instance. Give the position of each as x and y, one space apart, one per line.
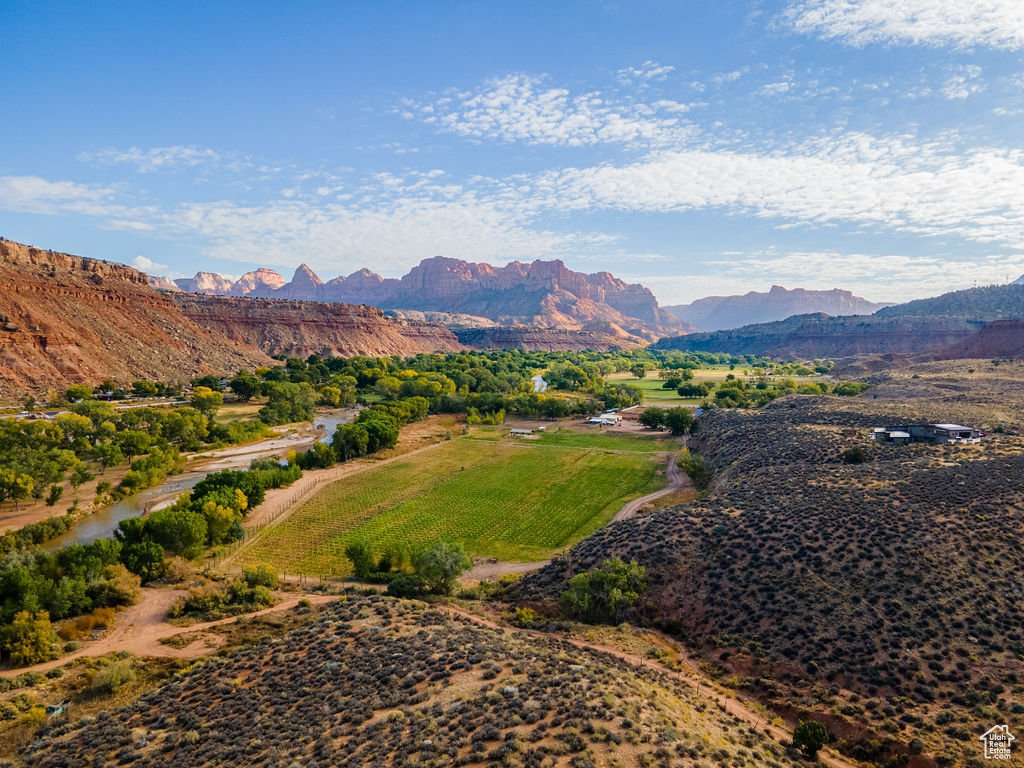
67 319
164 284
302 328
544 294
723 312
205 282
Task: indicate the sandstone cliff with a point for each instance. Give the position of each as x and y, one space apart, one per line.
66 319
544 294
301 328
257 280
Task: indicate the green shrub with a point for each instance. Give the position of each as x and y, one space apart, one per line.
408 585
603 594
111 677
809 737
260 576
693 465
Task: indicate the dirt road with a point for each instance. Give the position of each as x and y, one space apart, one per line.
141 627
676 481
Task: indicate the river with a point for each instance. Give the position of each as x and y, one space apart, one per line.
103 522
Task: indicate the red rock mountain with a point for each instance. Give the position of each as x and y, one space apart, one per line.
715 313
541 294
257 280
205 282
66 319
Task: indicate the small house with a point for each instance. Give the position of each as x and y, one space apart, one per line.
937 434
520 432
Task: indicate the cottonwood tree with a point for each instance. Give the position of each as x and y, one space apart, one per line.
603 594
440 566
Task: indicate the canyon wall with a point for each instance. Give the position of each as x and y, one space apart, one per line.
66 319
302 328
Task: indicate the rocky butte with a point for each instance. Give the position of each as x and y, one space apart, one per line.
301 328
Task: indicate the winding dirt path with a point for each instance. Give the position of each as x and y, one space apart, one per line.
141 627
728 701
676 481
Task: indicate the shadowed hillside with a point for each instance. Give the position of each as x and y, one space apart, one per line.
911 328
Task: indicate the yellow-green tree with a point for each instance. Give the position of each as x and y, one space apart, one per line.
206 401
29 638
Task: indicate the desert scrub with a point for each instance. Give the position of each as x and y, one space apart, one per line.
212 603
394 683
901 547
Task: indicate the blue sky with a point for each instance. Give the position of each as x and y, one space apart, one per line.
699 148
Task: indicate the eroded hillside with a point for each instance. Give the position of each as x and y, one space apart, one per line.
66 319
302 328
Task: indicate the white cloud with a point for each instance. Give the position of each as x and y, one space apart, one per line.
149 266
727 77
776 89
521 108
957 23
32 194
649 70
966 82
154 159
928 189
388 238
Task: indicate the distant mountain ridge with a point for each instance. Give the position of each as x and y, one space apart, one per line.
721 312
540 294
914 327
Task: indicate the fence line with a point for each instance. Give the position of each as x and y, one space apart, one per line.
252 532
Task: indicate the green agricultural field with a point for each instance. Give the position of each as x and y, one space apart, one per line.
513 501
653 393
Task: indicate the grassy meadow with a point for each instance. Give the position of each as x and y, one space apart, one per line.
513 500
